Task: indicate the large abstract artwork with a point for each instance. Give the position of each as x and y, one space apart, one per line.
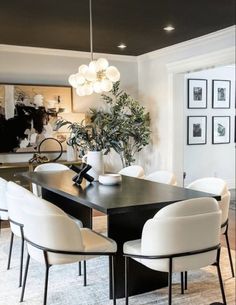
28 114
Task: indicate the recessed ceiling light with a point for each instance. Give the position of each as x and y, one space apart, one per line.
121 46
169 28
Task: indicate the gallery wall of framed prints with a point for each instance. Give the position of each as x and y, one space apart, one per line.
198 121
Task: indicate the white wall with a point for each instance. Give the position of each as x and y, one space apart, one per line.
211 159
158 72
152 79
47 66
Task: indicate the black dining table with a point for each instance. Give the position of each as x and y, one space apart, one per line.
127 205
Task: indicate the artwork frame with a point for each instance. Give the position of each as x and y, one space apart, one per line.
221 94
196 130
26 103
197 93
221 133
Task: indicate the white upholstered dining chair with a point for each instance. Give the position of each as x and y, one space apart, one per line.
182 236
3 201
135 171
15 195
37 190
219 187
162 177
51 246
46 167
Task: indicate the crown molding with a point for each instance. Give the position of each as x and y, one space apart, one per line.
185 45
63 53
210 60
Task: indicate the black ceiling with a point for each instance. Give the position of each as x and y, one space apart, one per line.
64 24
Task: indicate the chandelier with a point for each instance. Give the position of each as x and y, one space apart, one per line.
98 76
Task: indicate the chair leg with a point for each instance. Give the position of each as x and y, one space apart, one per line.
113 280
85 274
46 284
79 267
229 252
182 282
21 262
185 280
220 278
170 282
126 280
25 278
10 251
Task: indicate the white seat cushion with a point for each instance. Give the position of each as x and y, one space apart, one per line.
133 247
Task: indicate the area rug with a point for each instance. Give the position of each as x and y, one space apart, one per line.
66 287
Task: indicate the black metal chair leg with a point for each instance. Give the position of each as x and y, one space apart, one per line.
85 274
46 284
10 251
113 280
170 282
21 262
126 280
220 278
80 271
229 252
185 280
25 278
182 282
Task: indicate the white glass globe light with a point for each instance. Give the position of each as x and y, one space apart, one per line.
88 89
93 66
91 75
97 87
106 85
113 74
72 80
83 69
80 79
102 64
80 91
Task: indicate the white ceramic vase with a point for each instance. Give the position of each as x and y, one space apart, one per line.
95 159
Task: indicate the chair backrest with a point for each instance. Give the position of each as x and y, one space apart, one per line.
183 227
37 190
132 171
3 199
215 186
50 227
16 195
162 177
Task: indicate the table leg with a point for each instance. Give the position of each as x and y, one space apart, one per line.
124 227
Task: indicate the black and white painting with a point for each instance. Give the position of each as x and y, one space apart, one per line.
197 93
28 114
221 93
196 130
220 129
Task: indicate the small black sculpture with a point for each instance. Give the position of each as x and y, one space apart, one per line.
81 173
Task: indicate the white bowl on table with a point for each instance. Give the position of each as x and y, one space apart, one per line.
109 179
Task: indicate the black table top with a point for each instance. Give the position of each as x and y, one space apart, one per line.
130 195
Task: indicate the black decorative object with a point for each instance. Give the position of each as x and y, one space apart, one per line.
81 173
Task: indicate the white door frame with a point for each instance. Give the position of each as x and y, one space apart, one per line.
176 71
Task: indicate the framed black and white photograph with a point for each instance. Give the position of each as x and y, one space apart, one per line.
220 129
197 93
196 130
221 93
